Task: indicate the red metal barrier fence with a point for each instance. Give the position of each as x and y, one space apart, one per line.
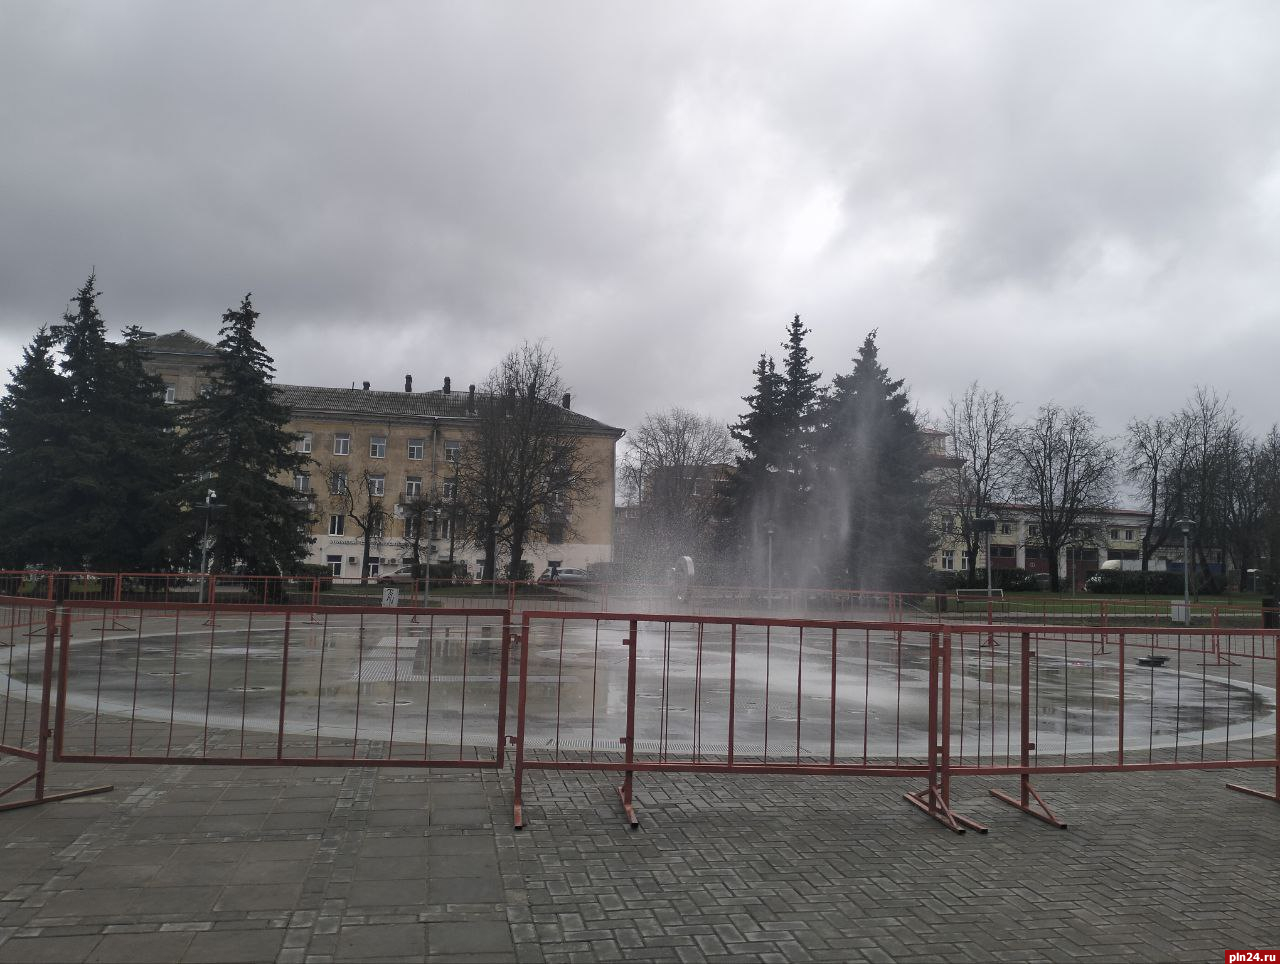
642 693
26 680
150 683
630 693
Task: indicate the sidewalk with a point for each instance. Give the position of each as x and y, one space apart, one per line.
195 863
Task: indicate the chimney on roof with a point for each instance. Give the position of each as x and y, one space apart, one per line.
564 402
408 383
446 384
366 385
471 398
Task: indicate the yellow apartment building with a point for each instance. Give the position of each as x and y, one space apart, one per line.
400 446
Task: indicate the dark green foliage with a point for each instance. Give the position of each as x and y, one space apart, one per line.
1007 580
238 446
836 476
1134 583
774 480
800 394
90 459
875 499
759 433
33 457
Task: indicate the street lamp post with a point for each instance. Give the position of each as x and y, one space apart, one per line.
769 529
430 519
1186 525
209 496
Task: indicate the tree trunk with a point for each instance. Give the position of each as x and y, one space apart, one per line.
517 554
490 557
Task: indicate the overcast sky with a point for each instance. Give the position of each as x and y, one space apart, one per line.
1077 201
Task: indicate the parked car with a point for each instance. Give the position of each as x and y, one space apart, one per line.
564 576
401 577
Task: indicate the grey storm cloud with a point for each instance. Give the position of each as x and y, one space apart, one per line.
1076 201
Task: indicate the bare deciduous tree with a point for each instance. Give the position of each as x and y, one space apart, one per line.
361 498
1241 502
1155 457
674 465
525 471
1212 428
418 513
981 436
1065 469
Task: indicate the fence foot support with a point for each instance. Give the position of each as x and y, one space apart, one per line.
1238 788
42 797
1044 813
518 817
625 797
930 801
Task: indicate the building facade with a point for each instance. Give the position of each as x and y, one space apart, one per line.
1015 544
400 448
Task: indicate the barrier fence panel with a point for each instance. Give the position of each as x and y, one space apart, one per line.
1039 700
329 686
27 649
639 693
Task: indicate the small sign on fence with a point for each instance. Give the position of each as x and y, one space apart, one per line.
390 597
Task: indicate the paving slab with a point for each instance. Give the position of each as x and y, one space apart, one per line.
214 864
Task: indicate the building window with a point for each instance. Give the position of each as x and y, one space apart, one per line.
377 446
452 451
342 443
170 394
948 560
1006 529
338 483
376 526
302 482
337 525
303 444
416 446
555 533
411 527
447 490
1033 530
440 527
375 566
335 564
413 486
1128 535
1115 535
377 485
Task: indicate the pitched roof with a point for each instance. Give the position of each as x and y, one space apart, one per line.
180 342
313 400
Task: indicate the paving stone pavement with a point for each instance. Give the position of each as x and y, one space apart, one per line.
198 863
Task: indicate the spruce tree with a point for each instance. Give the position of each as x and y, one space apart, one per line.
875 494
799 387
751 497
101 489
238 446
796 528
34 461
